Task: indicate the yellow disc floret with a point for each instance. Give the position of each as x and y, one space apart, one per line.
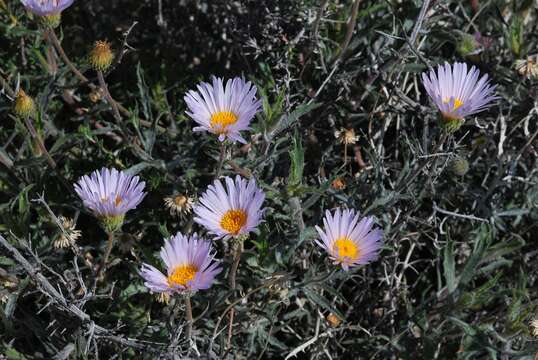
220 120
24 105
346 248
101 56
233 220
182 275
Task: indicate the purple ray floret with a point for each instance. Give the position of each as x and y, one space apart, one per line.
110 193
223 110
457 92
46 7
348 241
190 264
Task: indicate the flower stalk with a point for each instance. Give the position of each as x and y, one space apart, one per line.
188 315
233 286
104 260
222 158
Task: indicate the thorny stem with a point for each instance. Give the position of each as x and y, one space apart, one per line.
419 170
319 279
350 27
233 286
102 266
108 97
56 43
238 300
6 87
222 157
188 315
39 141
37 138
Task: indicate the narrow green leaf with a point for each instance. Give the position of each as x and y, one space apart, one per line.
449 266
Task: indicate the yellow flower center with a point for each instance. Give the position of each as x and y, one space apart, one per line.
233 221
220 120
345 247
457 103
101 56
182 275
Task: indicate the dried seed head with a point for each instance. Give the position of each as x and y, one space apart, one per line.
334 320
338 184
528 67
101 56
534 327
179 205
346 136
70 236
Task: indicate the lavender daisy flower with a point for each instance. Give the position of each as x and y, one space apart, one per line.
230 212
189 263
224 111
109 194
46 7
458 92
348 241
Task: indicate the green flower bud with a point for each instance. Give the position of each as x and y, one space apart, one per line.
460 166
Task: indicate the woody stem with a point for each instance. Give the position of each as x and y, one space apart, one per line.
233 286
104 261
188 315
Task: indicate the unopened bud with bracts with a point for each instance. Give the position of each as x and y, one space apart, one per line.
467 45
24 105
460 166
51 21
101 56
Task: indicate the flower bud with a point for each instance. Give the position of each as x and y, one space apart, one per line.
338 184
467 45
24 105
101 56
460 166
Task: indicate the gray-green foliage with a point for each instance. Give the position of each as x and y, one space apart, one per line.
457 275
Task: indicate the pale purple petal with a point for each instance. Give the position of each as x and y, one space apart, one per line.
178 251
220 198
346 225
458 92
237 97
109 192
46 7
